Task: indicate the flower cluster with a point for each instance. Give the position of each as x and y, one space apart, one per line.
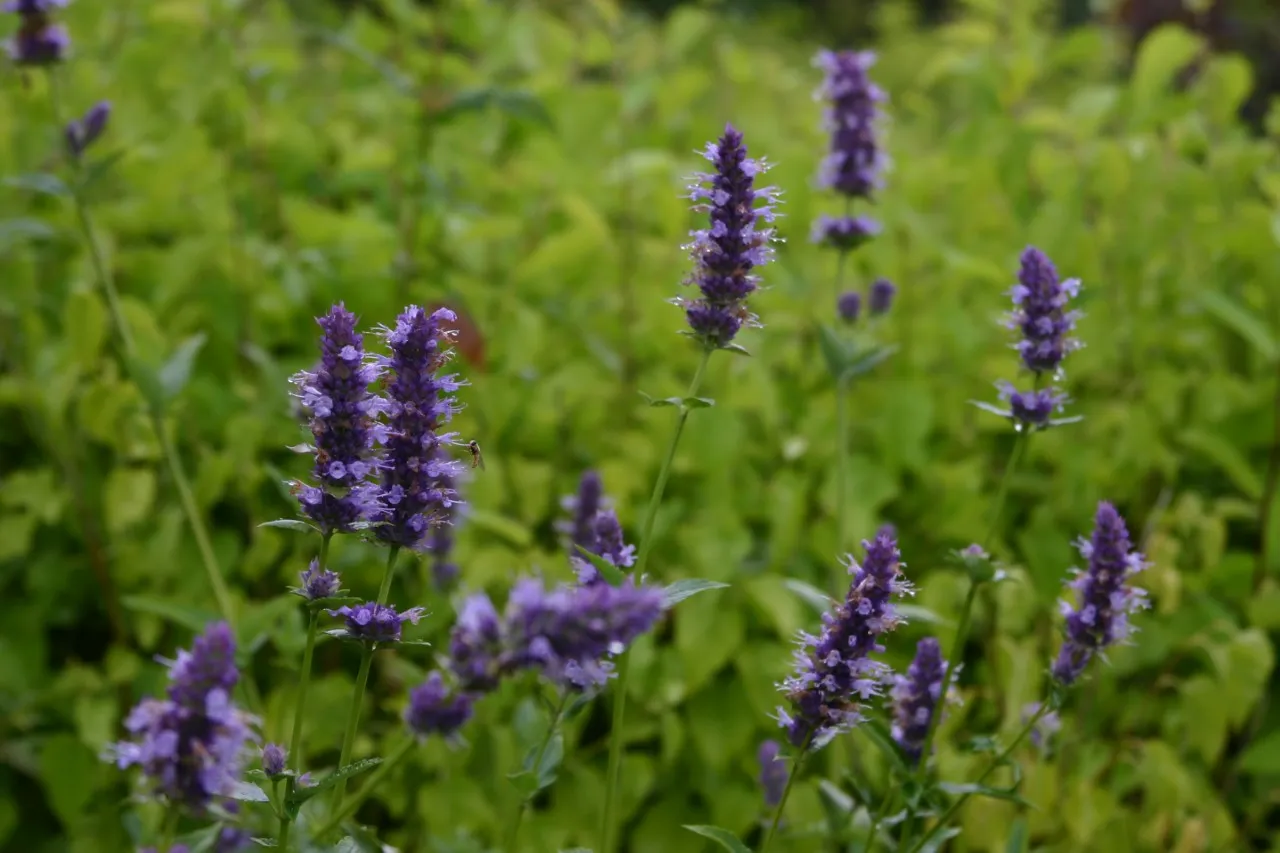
345 428
418 476
594 526
834 671
318 583
372 622
916 696
190 745
737 241
1106 595
39 41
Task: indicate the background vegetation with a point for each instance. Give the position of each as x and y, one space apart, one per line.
523 162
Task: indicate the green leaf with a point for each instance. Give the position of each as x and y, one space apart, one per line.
723 837
1162 54
264 842
44 183
883 740
1262 758
1018 836
512 531
188 617
697 402
866 362
962 789
23 229
247 792
611 573
510 102
810 594
676 592
737 349
301 795
837 353
128 496
69 774
176 371
939 838
1245 323
530 780
291 524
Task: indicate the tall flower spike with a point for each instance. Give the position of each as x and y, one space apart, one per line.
343 420
916 697
610 544
737 241
583 506
38 41
834 672
419 477
1040 313
1106 595
191 745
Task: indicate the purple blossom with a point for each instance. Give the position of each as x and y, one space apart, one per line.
773 773
273 758
583 507
1045 728
916 696
419 477
318 583
81 133
343 420
880 297
38 41
435 709
190 746
475 644
849 306
231 839
737 241
1106 595
834 672
856 163
376 623
609 543
1039 313
843 232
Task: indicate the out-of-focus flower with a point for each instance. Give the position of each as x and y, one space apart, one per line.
273 758
81 133
855 165
232 839
475 644
880 297
435 709
582 508
39 41
343 420
736 242
609 543
843 232
1045 728
318 583
376 623
773 773
916 698
834 673
419 477
849 306
1106 595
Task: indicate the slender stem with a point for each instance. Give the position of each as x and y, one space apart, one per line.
385 589
842 467
513 836
169 827
991 768
1270 486
881 814
349 807
614 771
786 794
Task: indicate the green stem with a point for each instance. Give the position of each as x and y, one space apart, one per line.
169 827
991 768
842 467
786 795
881 814
513 836
349 807
624 660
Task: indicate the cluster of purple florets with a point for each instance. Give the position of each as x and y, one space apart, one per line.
39 40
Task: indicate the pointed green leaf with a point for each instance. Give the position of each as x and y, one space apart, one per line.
738 349
962 789
837 353
1018 836
1245 323
680 590
513 103
176 371
723 837
939 838
811 595
291 524
301 795
264 842
880 736
247 792
44 183
867 361
611 573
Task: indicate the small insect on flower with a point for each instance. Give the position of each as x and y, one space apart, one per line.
477 461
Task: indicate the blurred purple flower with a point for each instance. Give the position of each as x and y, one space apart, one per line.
609 544
834 672
475 644
849 306
583 507
855 165
376 623
916 696
81 133
1106 595
1045 728
38 41
880 297
843 232
343 420
232 839
318 583
419 477
736 242
773 773
435 709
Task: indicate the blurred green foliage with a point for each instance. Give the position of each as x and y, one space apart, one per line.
524 162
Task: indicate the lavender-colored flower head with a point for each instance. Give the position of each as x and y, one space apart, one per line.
773 773
38 41
318 583
737 241
1040 313
855 164
273 758
232 839
376 623
849 306
843 232
1032 409
475 644
834 672
1106 595
609 543
916 696
435 709
419 477
191 744
583 507
81 133
880 297
343 423
566 632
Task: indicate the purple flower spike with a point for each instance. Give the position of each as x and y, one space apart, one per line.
736 242
834 673
773 773
434 709
419 476
1106 595
475 644
583 506
343 421
916 696
1040 313
318 583
39 41
273 758
82 133
856 163
609 544
880 298
843 232
376 623
191 745
849 306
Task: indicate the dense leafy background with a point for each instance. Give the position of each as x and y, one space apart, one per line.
524 161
